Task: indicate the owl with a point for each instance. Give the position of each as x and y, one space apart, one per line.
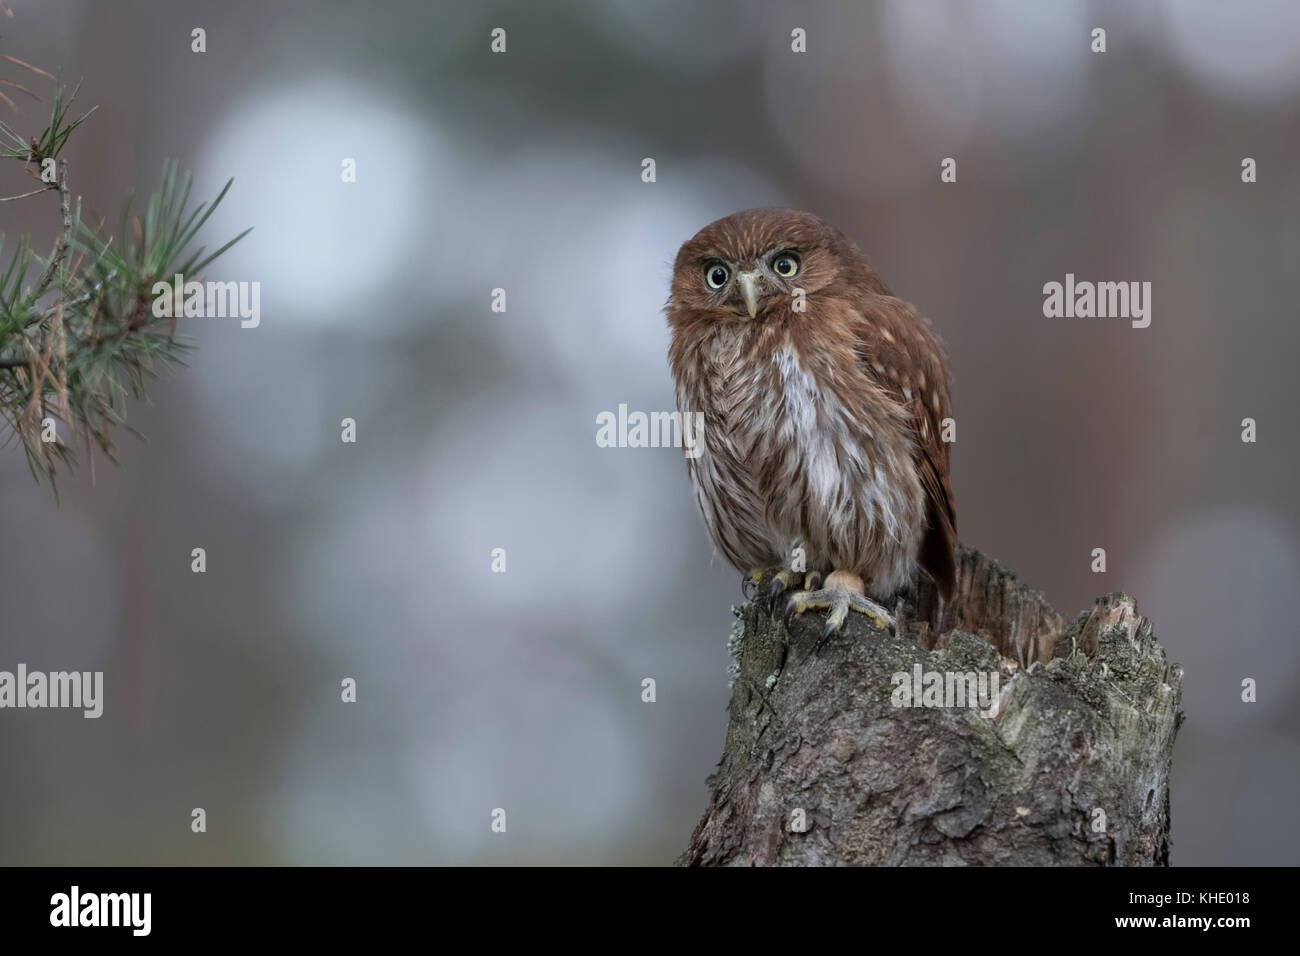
823 399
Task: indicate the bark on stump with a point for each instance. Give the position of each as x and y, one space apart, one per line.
1071 768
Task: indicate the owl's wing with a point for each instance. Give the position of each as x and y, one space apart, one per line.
903 357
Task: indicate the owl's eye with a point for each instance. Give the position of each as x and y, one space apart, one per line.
716 276
786 265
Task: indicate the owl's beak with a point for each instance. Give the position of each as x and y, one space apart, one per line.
748 282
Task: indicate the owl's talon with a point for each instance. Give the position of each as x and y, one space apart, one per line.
839 601
749 584
782 581
791 609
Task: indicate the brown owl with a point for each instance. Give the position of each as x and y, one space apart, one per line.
823 396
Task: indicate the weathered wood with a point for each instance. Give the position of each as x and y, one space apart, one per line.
1069 767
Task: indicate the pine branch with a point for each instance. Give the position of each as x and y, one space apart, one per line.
65 237
83 339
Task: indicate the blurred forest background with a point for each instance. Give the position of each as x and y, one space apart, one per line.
476 430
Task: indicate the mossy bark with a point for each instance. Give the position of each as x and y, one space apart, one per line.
1067 765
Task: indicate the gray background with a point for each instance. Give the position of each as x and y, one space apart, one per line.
477 430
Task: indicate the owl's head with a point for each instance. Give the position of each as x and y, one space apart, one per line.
751 264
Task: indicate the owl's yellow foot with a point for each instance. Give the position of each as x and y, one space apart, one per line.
844 592
782 581
749 584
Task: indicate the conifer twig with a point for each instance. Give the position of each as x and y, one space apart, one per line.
83 339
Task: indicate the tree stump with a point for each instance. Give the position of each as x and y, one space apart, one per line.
833 757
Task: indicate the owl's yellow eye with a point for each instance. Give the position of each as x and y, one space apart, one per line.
716 276
786 265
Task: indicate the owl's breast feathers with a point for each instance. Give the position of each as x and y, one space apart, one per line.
824 435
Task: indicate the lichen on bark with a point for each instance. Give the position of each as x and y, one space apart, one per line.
1070 766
